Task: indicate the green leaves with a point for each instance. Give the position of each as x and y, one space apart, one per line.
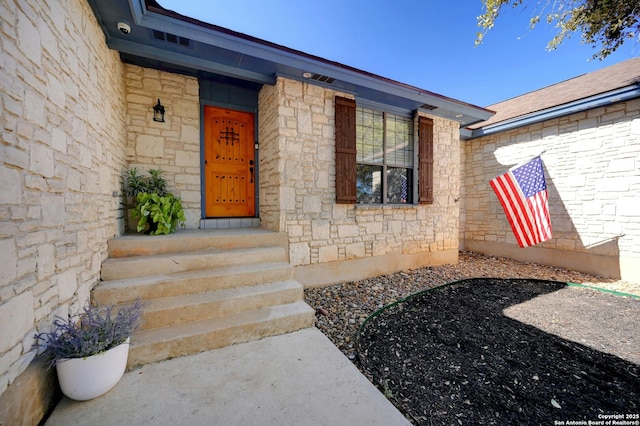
135 183
158 211
161 214
157 183
605 25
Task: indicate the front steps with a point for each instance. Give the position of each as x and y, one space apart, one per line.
203 290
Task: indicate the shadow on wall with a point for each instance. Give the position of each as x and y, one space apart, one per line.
579 249
587 191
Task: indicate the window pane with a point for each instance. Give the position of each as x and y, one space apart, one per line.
369 184
384 148
369 136
399 141
399 186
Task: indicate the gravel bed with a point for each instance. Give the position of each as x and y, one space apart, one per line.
342 308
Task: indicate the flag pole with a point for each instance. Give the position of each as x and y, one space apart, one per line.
526 161
519 164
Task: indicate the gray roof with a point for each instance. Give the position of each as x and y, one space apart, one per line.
615 83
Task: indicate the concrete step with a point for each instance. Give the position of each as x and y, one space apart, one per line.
138 266
204 289
193 240
153 345
172 311
151 287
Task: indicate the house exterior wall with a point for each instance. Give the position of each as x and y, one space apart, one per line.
591 164
61 158
331 242
172 146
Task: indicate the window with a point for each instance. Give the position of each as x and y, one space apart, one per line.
375 156
384 157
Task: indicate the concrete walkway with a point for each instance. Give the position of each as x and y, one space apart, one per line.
299 378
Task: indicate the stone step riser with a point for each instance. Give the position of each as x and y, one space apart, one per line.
116 269
126 291
138 245
230 331
180 313
204 290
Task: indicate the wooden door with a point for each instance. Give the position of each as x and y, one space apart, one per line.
229 166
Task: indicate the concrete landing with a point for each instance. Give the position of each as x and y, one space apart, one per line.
299 379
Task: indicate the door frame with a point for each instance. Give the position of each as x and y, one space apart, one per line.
256 180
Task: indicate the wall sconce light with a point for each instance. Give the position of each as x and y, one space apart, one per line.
158 112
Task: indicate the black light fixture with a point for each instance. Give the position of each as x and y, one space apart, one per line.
158 112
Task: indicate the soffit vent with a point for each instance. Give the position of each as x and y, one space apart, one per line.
171 38
428 107
322 78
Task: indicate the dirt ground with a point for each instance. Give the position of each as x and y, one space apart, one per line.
507 351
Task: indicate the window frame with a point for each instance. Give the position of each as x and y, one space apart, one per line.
346 160
385 164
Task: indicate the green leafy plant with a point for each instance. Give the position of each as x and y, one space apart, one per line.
156 183
136 183
158 211
165 212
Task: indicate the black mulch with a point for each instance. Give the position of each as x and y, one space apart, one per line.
450 356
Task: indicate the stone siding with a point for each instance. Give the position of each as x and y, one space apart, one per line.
61 159
297 187
172 146
591 164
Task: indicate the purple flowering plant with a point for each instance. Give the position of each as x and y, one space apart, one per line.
94 330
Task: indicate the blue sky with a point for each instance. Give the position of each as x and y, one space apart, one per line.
425 43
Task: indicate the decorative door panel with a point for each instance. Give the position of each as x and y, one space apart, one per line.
229 163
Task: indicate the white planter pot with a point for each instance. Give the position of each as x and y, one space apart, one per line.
87 378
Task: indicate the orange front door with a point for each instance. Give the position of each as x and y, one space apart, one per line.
229 163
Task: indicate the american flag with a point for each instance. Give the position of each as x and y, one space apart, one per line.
522 191
403 189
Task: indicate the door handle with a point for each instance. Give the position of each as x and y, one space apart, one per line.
251 171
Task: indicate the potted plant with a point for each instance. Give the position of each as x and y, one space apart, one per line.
90 350
158 211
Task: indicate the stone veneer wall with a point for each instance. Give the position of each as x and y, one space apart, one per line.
172 146
332 242
62 153
591 164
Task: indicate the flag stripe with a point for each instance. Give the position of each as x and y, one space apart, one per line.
513 209
517 209
541 203
524 211
529 217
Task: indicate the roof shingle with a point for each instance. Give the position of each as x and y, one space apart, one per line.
620 75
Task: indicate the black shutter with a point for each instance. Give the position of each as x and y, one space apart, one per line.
425 165
345 151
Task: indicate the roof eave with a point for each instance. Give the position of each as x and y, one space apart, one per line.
158 18
596 101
